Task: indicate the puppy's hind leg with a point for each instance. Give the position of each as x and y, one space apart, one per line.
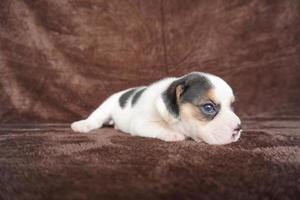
99 117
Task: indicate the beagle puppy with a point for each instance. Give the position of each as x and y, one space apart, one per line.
197 106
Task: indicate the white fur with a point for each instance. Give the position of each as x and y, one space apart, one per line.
149 117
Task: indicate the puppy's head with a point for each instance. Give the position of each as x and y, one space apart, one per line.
203 104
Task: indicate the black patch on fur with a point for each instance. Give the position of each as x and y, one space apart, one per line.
124 97
136 96
194 85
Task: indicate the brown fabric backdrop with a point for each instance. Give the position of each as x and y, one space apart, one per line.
60 59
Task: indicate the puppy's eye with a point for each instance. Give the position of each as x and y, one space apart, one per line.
208 108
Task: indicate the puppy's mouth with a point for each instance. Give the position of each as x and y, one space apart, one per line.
236 135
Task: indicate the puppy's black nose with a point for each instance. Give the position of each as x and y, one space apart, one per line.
238 128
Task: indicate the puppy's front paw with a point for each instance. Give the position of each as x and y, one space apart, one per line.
173 137
83 126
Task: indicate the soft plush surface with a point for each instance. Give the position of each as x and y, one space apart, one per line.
51 162
60 58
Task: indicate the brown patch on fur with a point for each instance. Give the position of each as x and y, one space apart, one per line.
189 111
211 95
179 91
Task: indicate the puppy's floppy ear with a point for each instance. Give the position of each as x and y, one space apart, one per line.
172 96
179 90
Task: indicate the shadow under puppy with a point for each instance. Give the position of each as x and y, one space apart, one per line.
197 105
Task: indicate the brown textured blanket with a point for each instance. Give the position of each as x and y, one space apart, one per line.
60 58
51 162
